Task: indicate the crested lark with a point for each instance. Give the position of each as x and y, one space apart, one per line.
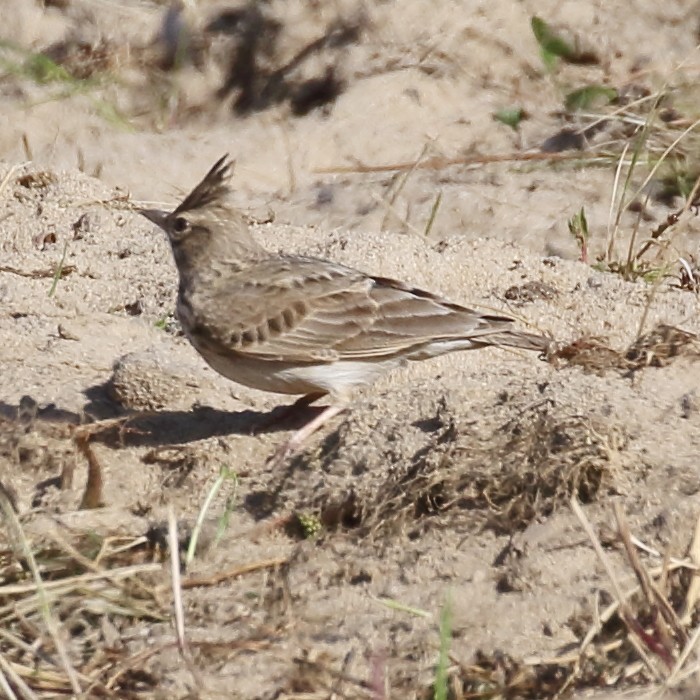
296 325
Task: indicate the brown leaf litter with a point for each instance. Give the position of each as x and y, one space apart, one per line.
657 348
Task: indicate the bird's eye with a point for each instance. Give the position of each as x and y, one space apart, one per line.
181 225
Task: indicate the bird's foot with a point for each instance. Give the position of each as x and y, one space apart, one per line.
282 415
296 442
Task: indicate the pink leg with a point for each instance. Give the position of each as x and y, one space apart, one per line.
299 438
285 413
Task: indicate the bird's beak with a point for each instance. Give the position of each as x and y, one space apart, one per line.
155 215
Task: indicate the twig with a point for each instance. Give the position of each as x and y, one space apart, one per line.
49 620
683 657
68 583
654 598
131 543
691 597
26 692
684 563
437 163
671 220
176 580
72 552
5 686
234 573
637 633
92 496
36 274
614 606
88 431
692 671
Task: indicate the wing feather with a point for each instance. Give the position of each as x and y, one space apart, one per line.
307 310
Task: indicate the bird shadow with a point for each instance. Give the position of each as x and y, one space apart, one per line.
110 424
103 421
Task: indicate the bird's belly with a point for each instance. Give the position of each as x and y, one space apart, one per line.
282 377
277 377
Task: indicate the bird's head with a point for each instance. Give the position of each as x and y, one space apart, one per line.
205 228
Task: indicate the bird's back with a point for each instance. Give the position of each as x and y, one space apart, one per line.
304 309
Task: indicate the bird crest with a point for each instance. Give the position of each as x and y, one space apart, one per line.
213 187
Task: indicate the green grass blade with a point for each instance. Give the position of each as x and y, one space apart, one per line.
59 270
444 657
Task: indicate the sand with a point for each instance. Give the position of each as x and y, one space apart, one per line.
448 480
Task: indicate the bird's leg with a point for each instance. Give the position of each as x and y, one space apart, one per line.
286 412
307 400
299 438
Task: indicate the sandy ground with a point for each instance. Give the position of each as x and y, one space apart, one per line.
449 479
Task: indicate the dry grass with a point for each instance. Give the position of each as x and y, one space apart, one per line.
67 600
657 348
647 635
525 469
74 606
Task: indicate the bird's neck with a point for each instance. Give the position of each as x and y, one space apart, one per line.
209 272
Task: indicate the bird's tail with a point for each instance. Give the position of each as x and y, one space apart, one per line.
521 340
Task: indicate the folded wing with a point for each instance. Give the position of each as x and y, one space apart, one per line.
309 311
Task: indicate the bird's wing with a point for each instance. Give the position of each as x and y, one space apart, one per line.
408 318
305 310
